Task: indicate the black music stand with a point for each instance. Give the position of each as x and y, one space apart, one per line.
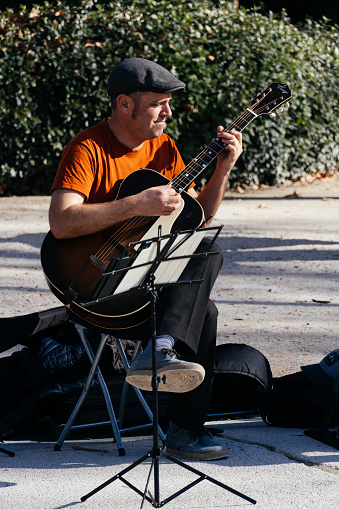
151 287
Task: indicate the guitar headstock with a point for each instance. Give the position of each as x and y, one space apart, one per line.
270 99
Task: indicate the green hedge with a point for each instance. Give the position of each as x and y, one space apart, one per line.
54 62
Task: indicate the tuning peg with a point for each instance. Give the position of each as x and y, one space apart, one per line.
287 105
273 114
280 110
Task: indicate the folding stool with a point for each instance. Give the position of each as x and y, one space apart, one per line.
95 370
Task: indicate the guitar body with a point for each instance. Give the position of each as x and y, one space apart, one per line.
75 268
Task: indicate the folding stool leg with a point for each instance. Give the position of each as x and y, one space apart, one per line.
137 392
94 369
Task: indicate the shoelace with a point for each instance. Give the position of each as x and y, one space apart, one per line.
170 352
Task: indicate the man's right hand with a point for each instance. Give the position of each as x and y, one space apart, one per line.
157 201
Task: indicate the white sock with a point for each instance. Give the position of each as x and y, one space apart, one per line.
161 341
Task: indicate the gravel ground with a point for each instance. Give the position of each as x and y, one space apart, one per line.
278 288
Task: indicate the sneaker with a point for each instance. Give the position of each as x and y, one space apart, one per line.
194 445
175 375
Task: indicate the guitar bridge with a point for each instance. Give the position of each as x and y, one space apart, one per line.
97 262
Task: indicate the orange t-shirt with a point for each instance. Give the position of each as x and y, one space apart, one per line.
95 162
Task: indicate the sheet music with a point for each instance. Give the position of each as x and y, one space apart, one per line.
169 270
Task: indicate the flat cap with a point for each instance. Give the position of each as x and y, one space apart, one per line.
141 75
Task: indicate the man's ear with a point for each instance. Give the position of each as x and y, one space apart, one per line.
124 103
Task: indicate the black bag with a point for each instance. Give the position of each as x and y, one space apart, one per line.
44 380
242 380
295 402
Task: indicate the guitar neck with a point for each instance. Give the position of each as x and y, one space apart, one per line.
184 179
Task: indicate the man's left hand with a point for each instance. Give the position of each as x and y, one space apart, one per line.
233 149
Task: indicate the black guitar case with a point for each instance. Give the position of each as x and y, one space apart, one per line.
242 380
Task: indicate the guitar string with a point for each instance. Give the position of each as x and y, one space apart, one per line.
117 238
212 146
216 142
107 249
253 108
112 243
196 163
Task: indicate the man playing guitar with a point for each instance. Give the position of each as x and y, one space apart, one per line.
92 167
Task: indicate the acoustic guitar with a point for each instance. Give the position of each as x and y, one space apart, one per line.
86 272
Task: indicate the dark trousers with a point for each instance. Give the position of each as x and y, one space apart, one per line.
186 313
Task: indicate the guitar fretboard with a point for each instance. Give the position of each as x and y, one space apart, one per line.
185 178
